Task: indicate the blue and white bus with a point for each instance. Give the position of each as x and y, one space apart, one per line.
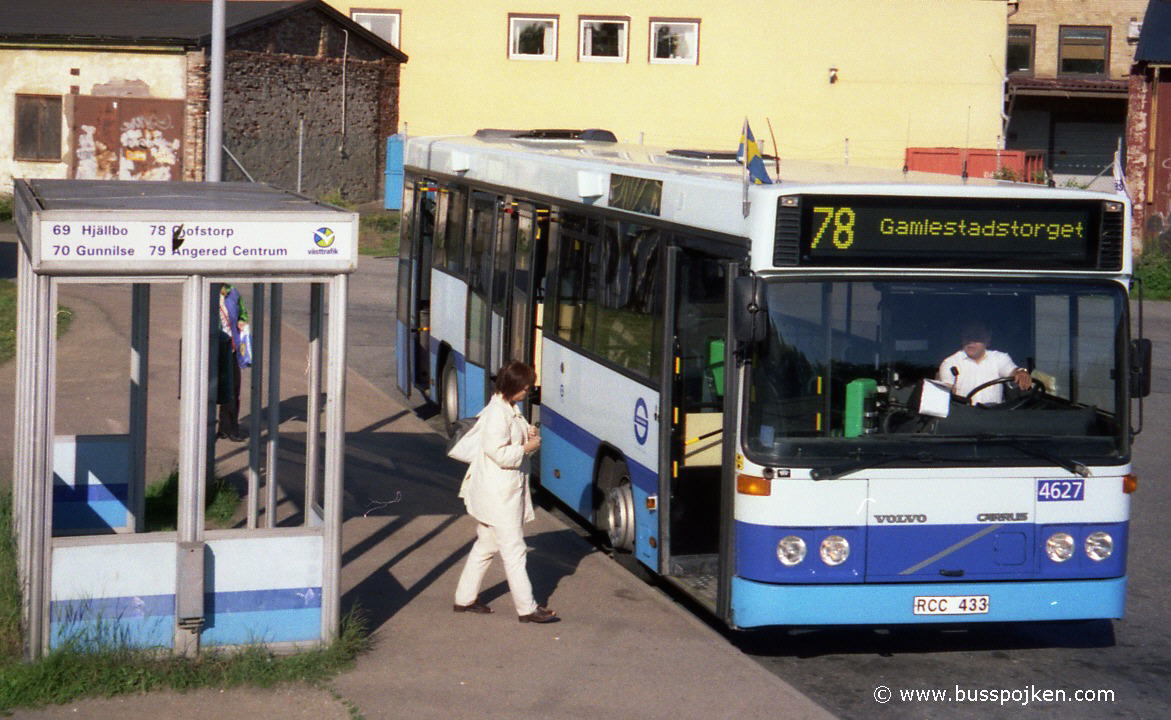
735 381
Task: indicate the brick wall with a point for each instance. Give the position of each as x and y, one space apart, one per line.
195 120
1049 15
1138 131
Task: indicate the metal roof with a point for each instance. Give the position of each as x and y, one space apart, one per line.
1154 44
151 22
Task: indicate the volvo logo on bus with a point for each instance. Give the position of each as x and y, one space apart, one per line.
642 423
900 519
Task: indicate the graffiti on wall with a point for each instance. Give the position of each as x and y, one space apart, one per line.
127 138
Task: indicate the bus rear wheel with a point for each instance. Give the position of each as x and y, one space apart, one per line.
617 512
449 401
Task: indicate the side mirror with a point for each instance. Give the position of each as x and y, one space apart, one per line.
750 312
1140 368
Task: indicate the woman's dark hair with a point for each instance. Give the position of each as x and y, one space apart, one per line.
513 377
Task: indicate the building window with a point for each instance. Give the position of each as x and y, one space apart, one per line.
1021 41
383 23
603 39
674 41
38 128
1084 51
532 37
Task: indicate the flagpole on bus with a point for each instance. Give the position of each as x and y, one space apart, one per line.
744 163
776 149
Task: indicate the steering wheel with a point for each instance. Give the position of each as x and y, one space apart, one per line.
1036 389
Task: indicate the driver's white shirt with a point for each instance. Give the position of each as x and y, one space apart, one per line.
972 374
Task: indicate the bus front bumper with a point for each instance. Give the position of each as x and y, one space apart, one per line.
756 604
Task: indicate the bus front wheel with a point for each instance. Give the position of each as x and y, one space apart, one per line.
618 504
450 399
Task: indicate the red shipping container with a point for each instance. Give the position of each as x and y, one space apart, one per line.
1018 165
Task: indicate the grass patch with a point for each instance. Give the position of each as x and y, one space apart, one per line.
11 643
162 503
69 673
1154 268
8 320
378 233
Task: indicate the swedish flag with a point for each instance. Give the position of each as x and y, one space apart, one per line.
748 154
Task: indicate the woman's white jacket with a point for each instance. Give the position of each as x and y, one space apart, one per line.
496 487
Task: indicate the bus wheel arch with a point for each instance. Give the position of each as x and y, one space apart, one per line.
614 500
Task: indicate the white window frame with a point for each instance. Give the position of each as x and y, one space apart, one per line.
515 22
397 15
655 24
584 31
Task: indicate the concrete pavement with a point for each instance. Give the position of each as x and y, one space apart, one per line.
623 649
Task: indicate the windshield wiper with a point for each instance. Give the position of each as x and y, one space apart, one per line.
832 472
1075 467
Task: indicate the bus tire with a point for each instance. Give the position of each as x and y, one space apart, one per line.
618 504
449 397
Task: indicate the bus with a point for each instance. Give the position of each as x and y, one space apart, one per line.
740 383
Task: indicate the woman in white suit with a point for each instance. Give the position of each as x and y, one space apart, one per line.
496 493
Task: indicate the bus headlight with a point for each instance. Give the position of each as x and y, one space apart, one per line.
835 549
1059 547
790 550
1099 546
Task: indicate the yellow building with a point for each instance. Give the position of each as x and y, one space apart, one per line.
838 79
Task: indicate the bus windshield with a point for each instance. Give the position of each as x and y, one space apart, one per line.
854 370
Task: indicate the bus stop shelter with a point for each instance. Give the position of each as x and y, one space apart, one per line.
93 568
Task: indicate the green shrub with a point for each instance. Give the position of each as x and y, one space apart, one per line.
378 233
1153 267
5 207
334 197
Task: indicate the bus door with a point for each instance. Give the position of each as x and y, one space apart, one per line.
485 226
502 256
696 443
414 286
530 230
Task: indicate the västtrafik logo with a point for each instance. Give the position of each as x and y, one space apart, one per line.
323 237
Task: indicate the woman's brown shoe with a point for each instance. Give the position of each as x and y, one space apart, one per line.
540 615
476 607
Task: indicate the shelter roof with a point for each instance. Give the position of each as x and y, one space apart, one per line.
146 195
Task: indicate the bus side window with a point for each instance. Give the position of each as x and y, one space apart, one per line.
439 251
455 229
571 280
627 322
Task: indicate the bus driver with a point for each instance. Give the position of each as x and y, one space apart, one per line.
974 364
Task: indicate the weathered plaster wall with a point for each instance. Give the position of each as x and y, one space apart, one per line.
51 72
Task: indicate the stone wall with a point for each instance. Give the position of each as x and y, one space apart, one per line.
290 72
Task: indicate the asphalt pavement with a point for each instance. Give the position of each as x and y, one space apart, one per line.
622 650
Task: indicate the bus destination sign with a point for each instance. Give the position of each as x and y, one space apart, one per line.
951 232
